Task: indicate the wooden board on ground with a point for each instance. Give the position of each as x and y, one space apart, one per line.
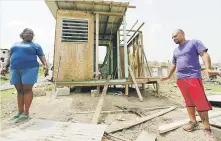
216 122
135 84
100 103
42 130
127 124
216 133
145 136
117 111
215 100
171 126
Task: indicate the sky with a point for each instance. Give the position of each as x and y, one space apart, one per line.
200 19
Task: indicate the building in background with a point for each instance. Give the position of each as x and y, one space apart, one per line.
4 53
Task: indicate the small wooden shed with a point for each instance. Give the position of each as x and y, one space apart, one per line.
83 26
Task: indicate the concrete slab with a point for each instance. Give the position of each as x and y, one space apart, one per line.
42 130
62 91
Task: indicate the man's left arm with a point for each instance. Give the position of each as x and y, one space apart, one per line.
207 62
202 51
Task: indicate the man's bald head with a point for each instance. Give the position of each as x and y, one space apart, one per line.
178 36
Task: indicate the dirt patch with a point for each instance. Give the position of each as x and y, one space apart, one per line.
64 108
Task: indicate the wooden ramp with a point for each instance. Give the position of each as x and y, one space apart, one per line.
47 130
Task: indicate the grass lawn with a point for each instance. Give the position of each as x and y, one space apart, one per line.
3 78
214 88
7 94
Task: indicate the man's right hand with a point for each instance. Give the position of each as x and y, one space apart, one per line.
4 71
164 78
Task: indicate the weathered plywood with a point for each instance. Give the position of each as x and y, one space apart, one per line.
76 59
47 130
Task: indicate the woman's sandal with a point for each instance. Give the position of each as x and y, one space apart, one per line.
22 118
16 116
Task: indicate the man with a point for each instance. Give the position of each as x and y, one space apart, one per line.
189 79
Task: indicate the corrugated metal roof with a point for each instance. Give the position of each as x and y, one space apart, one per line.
108 24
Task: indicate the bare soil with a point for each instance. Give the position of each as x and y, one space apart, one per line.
64 108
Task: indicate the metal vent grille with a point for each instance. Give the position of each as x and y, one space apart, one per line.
74 30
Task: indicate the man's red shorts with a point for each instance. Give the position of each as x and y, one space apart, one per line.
193 92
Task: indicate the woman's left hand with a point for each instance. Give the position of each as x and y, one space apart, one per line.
45 70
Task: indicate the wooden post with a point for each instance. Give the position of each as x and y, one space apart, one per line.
143 86
157 87
118 55
100 103
125 48
97 45
111 57
97 49
135 84
126 90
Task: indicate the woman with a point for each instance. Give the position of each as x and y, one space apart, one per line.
24 70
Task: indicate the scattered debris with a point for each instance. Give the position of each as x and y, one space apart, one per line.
116 137
145 136
117 111
136 111
116 93
127 124
171 126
